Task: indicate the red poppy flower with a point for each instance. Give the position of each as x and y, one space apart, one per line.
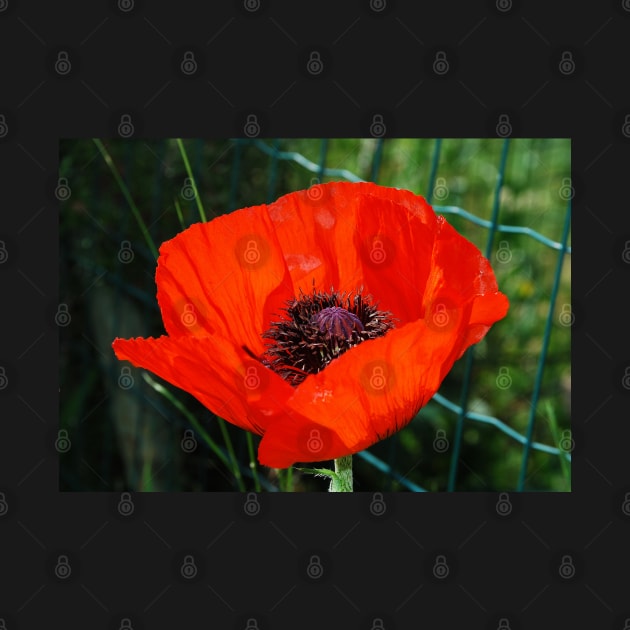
323 321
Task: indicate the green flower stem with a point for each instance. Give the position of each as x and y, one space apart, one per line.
178 210
189 172
342 480
252 461
288 480
127 195
160 389
236 471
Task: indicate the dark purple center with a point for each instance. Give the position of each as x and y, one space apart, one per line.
338 322
318 327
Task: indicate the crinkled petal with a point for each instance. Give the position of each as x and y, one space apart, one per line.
362 397
351 235
216 372
225 277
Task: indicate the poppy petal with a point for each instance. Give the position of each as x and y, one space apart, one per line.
486 311
237 388
315 233
365 395
395 238
226 277
358 235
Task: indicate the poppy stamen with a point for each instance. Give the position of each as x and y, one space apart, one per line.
319 327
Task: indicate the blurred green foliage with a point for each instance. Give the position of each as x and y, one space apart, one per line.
97 224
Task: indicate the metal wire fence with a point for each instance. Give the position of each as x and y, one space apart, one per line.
244 167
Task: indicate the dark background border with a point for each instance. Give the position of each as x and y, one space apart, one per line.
554 559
